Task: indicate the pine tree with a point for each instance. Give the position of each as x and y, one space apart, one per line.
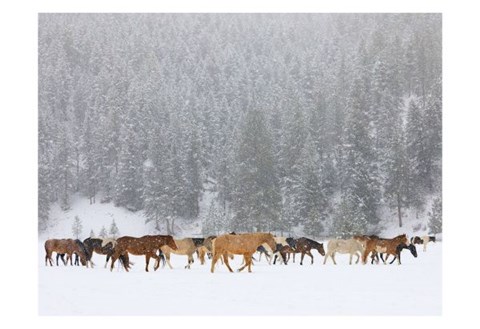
103 233
349 219
113 231
92 234
397 182
416 151
77 227
361 180
256 195
435 217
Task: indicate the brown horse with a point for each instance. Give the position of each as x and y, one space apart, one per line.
146 245
388 246
65 246
240 244
304 245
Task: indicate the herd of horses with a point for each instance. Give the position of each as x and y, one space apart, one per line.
224 247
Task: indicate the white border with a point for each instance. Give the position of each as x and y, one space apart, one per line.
19 158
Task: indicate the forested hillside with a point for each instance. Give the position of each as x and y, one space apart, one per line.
328 121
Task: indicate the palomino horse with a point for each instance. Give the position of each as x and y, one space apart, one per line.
184 247
240 244
146 245
304 245
388 246
350 246
65 246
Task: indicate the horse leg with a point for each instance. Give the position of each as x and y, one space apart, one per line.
216 256
106 261
333 258
301 258
326 257
48 257
309 253
114 258
167 257
190 261
358 257
147 260
245 260
351 256
249 261
365 255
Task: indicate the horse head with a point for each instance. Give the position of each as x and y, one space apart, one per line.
270 240
171 243
82 252
320 249
413 250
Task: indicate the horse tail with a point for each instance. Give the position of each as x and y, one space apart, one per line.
213 246
162 257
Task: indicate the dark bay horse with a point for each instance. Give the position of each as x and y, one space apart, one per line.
101 247
304 245
65 246
399 249
146 245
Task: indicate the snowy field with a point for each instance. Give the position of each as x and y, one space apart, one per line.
413 288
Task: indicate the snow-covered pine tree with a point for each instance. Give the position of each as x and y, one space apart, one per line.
113 231
349 218
77 227
435 217
416 151
362 179
256 200
92 233
103 232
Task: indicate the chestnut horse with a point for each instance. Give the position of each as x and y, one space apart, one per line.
65 246
304 245
388 246
241 244
146 245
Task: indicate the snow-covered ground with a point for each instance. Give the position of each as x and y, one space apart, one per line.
413 288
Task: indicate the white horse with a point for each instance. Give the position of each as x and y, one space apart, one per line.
350 246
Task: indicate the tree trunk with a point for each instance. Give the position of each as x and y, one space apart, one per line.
399 209
168 226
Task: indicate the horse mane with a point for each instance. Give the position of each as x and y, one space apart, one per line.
315 243
106 241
